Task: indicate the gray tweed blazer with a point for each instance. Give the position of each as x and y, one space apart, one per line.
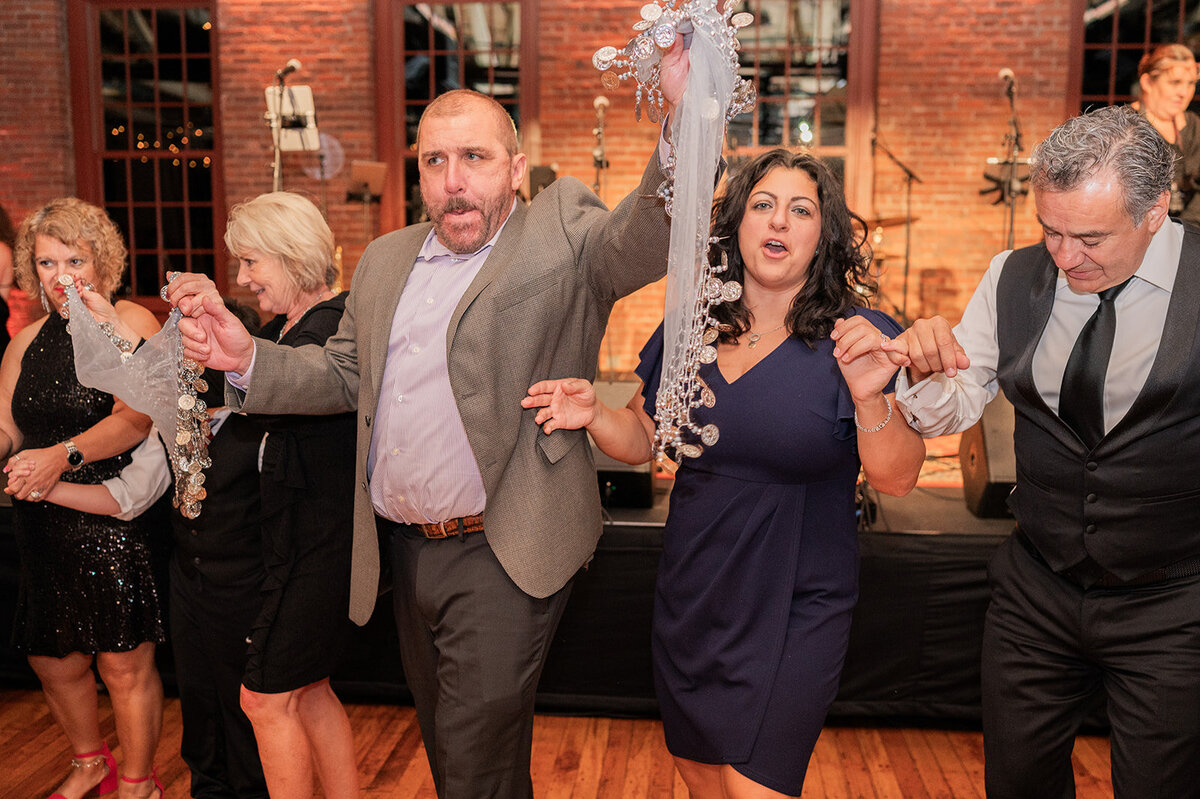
537 310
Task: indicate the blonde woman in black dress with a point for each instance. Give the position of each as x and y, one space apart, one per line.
86 592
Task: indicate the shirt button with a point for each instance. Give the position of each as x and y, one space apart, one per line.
1092 466
1091 497
399 499
194 531
399 398
395 450
1091 528
429 300
196 561
415 349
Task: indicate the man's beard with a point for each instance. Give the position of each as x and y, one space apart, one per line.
454 238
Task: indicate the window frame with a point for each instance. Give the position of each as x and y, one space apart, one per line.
85 69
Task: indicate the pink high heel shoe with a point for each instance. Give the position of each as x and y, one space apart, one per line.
153 775
93 760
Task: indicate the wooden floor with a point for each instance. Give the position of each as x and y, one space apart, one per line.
572 757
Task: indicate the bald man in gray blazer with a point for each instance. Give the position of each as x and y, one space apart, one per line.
486 519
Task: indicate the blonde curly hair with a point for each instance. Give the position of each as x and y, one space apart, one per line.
73 222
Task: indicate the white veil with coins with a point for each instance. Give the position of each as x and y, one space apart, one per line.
155 380
714 95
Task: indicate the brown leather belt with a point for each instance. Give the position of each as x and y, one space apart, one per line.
463 524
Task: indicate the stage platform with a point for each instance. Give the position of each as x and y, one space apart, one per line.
914 650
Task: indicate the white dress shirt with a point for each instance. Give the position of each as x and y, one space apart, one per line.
939 405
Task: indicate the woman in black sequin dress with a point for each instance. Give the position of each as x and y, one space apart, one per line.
86 591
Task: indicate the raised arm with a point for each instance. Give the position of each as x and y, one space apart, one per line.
891 452
570 403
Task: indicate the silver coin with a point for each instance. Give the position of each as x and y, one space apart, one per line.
183 437
709 434
707 398
603 58
664 35
731 291
643 25
610 80
187 402
690 450
190 510
710 335
651 12
653 113
66 280
643 47
741 19
708 354
713 288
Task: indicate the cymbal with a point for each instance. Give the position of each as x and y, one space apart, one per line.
888 221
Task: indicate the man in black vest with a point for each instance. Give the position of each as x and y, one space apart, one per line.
1094 335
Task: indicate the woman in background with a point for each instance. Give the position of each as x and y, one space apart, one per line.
285 258
759 570
86 590
1167 79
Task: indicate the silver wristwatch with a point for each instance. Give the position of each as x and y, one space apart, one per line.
74 456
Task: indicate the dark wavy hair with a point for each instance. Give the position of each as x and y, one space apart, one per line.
839 276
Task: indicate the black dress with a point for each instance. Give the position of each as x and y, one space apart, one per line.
86 583
307 506
759 570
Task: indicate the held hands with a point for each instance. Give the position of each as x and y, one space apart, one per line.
566 404
927 347
211 334
859 347
33 473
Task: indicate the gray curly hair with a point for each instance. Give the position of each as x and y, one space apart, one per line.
1116 138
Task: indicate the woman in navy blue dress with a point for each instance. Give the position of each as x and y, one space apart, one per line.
759 572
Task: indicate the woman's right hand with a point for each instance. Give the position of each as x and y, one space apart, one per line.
566 404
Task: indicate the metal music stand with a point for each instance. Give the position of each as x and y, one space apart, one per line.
366 186
292 117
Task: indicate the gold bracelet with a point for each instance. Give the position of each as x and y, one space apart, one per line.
879 426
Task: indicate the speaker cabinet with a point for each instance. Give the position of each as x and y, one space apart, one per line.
621 485
989 466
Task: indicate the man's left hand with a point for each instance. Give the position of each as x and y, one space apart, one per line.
674 72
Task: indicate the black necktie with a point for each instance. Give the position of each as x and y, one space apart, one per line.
1081 401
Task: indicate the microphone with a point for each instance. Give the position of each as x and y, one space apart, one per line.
293 65
600 104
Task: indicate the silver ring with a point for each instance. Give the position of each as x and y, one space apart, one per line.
35 494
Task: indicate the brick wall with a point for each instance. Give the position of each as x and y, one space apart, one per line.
940 108
36 155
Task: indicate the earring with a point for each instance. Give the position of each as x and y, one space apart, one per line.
42 296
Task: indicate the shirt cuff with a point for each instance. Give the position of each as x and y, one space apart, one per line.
242 382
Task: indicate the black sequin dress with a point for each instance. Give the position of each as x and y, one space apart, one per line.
86 584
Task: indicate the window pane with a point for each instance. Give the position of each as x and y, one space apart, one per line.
198 31
174 234
115 188
170 181
116 127
199 178
141 180
202 226
170 35
833 123
202 263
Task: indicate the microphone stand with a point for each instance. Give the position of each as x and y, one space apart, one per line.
909 178
599 156
1013 140
276 128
